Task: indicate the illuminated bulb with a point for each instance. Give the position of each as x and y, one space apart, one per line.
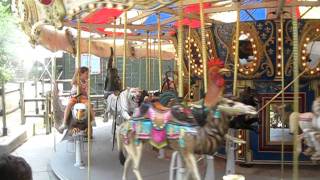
234 53
279 65
303 58
304 51
304 45
312 72
120 7
279 39
240 136
191 55
210 50
200 60
196 65
186 41
317 29
241 32
241 70
307 39
234 47
251 40
279 30
251 69
91 6
247 72
254 52
239 151
254 64
318 69
279 48
254 46
201 70
201 66
187 51
199 73
196 71
279 56
238 65
188 38
197 49
255 58
207 35
71 11
187 46
209 42
304 64
109 5
199 55
192 40
279 73
195 45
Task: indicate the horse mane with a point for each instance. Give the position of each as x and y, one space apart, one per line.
316 106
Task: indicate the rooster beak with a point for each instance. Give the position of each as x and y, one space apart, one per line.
223 71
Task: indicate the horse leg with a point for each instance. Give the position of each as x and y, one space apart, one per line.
137 160
191 164
127 162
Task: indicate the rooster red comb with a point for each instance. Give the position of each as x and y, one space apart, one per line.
215 62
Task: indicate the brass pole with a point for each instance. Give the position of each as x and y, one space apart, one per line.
180 50
236 56
282 97
295 53
147 63
159 50
189 64
114 44
89 112
204 49
124 51
78 56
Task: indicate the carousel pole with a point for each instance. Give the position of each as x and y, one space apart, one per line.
189 64
296 91
114 43
203 46
78 56
159 51
230 167
147 64
282 98
124 51
180 50
89 112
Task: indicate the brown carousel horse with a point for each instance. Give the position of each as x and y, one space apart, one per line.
195 130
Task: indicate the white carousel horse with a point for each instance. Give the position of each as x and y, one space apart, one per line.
309 123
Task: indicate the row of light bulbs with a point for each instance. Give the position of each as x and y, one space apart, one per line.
304 56
279 53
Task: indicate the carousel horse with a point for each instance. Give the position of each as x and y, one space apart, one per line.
190 130
309 123
248 97
112 84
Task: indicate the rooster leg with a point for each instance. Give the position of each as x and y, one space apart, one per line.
191 164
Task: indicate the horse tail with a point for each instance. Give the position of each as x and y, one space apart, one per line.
294 121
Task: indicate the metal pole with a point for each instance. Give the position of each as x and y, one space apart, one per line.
189 64
89 113
295 53
147 63
46 116
23 120
4 118
114 43
204 49
42 94
78 57
180 50
124 63
159 49
36 94
282 97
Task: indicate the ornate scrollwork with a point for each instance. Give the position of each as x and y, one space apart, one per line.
308 43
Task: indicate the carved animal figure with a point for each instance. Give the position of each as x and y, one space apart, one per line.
163 127
309 123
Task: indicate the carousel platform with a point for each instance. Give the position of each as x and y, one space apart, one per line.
105 163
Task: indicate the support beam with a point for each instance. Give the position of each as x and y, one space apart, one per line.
140 16
280 8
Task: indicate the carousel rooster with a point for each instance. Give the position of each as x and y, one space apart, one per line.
195 130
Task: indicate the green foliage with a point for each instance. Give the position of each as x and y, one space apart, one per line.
6 39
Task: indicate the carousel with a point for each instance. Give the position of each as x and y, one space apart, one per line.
243 86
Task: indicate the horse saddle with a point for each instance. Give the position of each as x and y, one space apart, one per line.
194 116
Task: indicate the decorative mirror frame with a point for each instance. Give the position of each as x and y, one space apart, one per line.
264 129
258 49
311 32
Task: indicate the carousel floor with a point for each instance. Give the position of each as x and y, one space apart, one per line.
105 163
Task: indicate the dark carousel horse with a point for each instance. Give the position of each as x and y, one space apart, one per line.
248 97
112 83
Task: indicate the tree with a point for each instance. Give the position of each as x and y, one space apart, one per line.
7 34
